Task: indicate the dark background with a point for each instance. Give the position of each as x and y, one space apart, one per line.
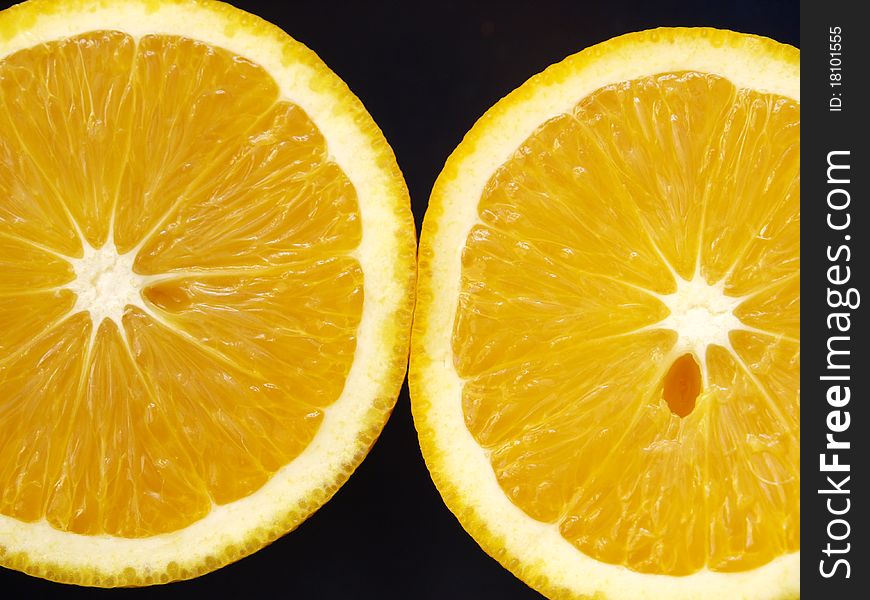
823 131
425 72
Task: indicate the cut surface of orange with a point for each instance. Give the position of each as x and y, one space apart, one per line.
206 285
606 349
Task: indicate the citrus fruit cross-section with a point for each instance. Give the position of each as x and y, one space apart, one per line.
207 265
606 349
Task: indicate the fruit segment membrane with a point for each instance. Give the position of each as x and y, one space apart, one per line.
243 329
586 238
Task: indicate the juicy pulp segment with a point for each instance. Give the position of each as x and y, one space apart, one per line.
582 232
185 154
27 268
295 325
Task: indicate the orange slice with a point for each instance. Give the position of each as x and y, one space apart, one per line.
206 286
606 350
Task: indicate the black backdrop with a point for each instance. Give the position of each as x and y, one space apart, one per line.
426 72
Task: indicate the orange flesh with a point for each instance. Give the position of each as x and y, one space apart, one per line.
567 380
186 153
